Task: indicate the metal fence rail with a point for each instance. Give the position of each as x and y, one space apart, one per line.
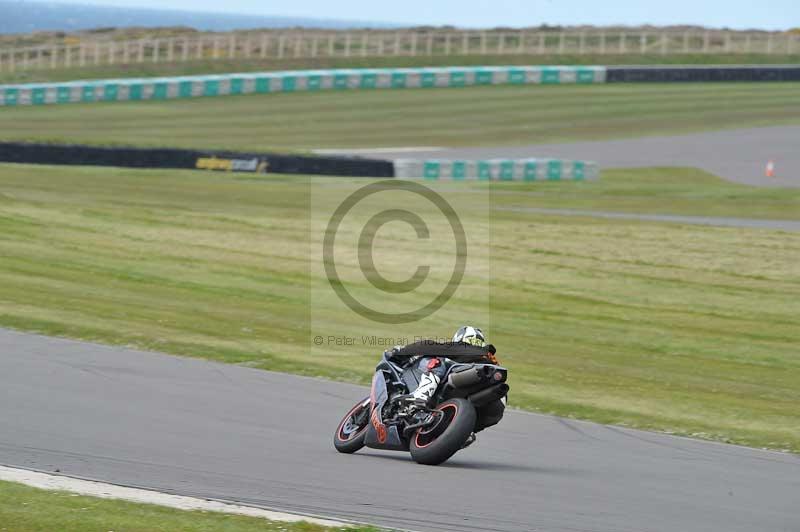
319 44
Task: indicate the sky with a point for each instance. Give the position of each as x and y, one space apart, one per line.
738 14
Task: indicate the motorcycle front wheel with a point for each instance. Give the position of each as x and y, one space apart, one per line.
435 444
352 430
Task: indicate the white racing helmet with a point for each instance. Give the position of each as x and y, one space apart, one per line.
470 335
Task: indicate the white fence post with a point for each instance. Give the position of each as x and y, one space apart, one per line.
363 44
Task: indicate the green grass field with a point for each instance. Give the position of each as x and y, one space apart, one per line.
219 66
26 509
688 329
475 116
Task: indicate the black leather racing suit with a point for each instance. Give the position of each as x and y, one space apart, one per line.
423 352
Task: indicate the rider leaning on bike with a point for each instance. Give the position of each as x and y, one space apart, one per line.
468 346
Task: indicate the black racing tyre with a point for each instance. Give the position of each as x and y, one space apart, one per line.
352 430
434 445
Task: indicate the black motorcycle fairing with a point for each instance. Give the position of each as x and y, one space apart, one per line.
379 435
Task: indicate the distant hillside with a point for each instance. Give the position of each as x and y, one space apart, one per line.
20 16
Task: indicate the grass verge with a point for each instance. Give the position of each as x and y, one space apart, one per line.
472 116
688 329
27 509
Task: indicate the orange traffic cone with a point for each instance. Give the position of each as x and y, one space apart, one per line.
769 171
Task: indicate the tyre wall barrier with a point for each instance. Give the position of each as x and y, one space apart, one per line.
496 169
702 74
16 152
112 90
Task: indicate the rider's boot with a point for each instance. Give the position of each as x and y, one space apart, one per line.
427 386
425 390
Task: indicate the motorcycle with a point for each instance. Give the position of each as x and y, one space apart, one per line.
388 420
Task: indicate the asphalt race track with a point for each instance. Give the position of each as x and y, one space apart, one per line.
206 429
740 155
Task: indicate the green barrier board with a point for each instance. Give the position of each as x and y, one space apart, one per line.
63 94
431 170
160 91
554 170
459 170
427 79
185 89
458 78
135 91
87 93
38 96
211 87
262 85
399 80
110 91
551 76
529 172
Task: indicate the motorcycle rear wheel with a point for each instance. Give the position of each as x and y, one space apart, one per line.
350 436
434 445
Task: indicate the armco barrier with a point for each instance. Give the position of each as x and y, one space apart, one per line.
702 73
16 152
112 90
496 169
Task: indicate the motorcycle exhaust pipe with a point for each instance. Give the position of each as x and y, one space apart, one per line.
484 397
463 379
